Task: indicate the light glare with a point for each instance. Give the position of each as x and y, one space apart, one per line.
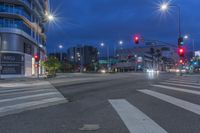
164 6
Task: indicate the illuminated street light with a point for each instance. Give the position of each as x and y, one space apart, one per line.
164 6
108 54
50 17
102 44
121 42
60 46
186 37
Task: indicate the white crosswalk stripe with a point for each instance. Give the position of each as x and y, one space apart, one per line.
18 97
178 89
138 122
135 120
190 83
195 108
182 85
179 80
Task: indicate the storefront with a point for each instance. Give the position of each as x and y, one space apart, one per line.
12 64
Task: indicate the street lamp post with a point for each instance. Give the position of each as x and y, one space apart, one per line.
108 58
193 44
60 47
48 18
165 6
121 47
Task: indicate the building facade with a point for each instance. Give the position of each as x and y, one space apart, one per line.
157 56
82 56
22 35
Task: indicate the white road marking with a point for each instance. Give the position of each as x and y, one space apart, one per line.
135 120
6 85
195 108
186 81
178 89
25 89
29 96
191 86
29 105
24 92
190 83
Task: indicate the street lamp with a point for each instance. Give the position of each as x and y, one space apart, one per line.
48 18
60 47
108 58
121 42
186 37
102 44
165 7
121 47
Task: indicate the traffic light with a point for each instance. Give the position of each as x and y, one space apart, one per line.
136 39
181 61
37 58
181 51
180 41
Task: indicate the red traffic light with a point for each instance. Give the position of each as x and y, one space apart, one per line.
181 51
37 58
181 61
136 39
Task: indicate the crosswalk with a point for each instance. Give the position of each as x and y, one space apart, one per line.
19 97
166 91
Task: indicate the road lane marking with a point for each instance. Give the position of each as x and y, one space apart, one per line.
135 120
195 108
178 89
191 86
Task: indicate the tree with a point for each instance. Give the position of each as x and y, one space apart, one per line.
51 65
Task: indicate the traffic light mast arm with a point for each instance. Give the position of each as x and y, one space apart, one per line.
151 40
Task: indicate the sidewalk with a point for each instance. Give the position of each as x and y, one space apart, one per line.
42 78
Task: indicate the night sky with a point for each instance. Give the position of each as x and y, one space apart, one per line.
94 21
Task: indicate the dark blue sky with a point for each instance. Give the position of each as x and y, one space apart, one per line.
93 21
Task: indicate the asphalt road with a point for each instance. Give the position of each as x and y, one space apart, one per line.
116 103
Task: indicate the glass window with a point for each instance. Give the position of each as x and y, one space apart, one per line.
10 8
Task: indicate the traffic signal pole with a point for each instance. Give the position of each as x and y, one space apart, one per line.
37 64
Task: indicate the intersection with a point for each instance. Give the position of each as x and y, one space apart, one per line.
123 102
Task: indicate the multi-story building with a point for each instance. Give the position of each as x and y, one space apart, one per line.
154 55
82 55
22 35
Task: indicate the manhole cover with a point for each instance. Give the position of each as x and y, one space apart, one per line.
90 127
